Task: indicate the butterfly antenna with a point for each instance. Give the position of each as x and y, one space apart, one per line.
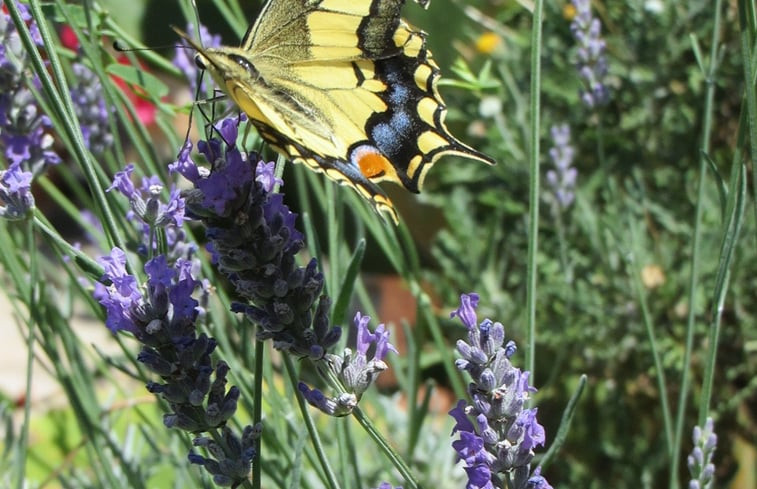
213 106
118 46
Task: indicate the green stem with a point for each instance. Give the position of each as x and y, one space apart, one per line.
732 227
567 417
87 264
257 409
312 431
383 444
369 427
748 23
533 193
695 253
635 272
31 301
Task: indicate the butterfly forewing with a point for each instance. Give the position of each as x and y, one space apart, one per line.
345 87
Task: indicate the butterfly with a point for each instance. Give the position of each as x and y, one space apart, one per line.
344 86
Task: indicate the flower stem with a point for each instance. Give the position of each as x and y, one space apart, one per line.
695 249
383 444
257 409
314 438
533 192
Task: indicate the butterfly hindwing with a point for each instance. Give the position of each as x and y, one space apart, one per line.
344 86
341 171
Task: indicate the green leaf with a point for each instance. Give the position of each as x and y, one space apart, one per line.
348 285
139 77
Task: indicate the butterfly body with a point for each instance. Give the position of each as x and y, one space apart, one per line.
344 86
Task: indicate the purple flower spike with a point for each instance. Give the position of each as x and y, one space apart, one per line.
146 203
500 444
122 182
16 198
163 314
91 109
356 371
562 179
184 164
592 62
467 310
253 241
340 406
121 296
266 175
700 461
25 131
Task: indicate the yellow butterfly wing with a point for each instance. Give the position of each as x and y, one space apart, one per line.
345 87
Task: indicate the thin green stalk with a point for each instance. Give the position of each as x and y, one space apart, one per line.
410 383
567 417
349 464
533 191
312 431
332 238
732 228
369 428
237 23
94 55
137 135
382 443
558 214
747 22
693 284
86 263
425 312
257 409
635 272
31 301
604 163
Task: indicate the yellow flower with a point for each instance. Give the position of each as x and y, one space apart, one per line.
652 276
569 11
488 42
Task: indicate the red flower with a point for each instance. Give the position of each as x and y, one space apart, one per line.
145 109
68 38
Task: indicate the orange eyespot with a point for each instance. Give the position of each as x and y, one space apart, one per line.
372 163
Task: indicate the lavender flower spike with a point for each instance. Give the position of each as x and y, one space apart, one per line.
497 433
163 314
353 369
253 241
25 137
592 62
16 198
145 201
91 109
700 461
562 180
